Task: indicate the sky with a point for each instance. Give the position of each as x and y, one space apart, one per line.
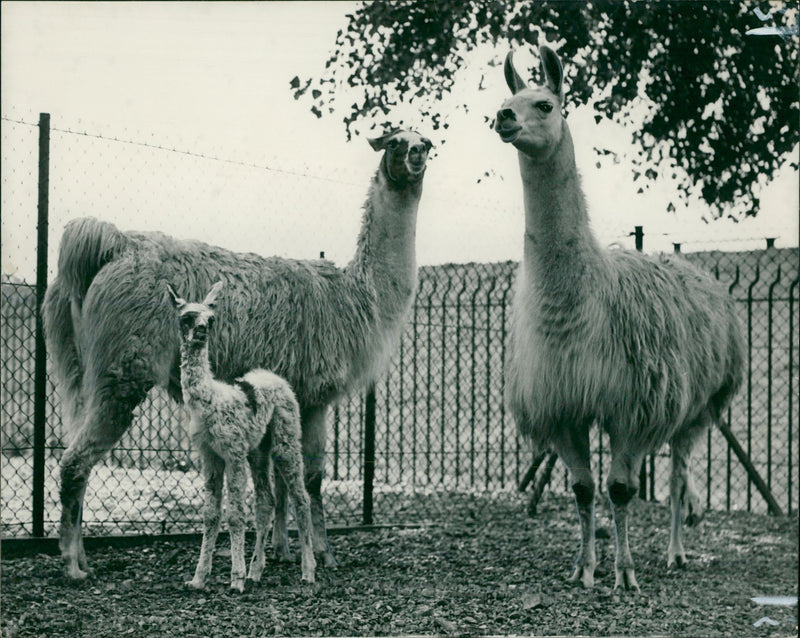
212 80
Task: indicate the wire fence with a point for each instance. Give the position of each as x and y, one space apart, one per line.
444 443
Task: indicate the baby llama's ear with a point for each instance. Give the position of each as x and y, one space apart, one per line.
177 302
211 297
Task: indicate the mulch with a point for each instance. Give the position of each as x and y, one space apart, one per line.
499 573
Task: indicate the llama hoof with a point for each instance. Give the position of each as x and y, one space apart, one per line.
282 555
326 558
238 586
76 574
583 575
194 585
677 560
626 579
694 517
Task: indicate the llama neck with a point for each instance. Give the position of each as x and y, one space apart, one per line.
385 258
560 250
196 379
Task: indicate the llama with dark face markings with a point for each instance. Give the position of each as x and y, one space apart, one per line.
650 348
255 421
327 331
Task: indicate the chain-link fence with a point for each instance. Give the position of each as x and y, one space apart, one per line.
444 443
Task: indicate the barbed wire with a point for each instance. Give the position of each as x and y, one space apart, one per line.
188 153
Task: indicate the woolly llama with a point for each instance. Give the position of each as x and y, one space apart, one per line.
326 330
650 348
256 420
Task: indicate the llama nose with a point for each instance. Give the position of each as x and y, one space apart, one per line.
504 115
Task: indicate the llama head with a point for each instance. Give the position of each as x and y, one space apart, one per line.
531 118
405 155
196 319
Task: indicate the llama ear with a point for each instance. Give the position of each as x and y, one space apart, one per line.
552 71
177 302
378 143
211 297
513 79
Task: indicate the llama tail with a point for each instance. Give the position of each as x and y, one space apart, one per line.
86 246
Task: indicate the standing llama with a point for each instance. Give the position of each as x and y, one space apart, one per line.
649 348
326 330
256 420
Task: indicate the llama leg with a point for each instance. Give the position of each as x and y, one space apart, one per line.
314 440
623 484
264 506
237 488
213 476
575 453
289 464
104 424
682 489
280 535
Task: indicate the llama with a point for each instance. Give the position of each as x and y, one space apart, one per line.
650 348
256 420
326 330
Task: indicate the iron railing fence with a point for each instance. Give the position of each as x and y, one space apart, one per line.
444 441
440 442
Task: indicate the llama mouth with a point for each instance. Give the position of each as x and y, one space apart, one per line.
509 135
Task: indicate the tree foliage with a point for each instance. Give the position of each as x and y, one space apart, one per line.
724 104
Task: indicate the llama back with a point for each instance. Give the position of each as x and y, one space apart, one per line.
660 305
279 315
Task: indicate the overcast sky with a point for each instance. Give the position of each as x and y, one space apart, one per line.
213 79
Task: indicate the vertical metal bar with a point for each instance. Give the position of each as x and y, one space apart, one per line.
733 285
770 298
369 454
790 452
492 285
400 442
457 427
336 443
443 419
638 234
750 376
386 384
428 384
40 365
414 369
473 366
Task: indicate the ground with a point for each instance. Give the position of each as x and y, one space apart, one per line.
501 573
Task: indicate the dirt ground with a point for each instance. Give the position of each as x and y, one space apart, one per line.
500 574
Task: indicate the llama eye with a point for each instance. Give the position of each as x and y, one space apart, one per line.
544 107
392 144
210 322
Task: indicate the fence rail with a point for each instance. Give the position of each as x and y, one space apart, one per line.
433 441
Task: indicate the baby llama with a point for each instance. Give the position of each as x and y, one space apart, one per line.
255 420
649 348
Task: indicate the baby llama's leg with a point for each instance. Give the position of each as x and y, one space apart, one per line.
213 476
280 536
288 458
264 506
237 488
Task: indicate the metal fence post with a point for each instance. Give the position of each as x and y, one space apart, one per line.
369 454
638 234
40 366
